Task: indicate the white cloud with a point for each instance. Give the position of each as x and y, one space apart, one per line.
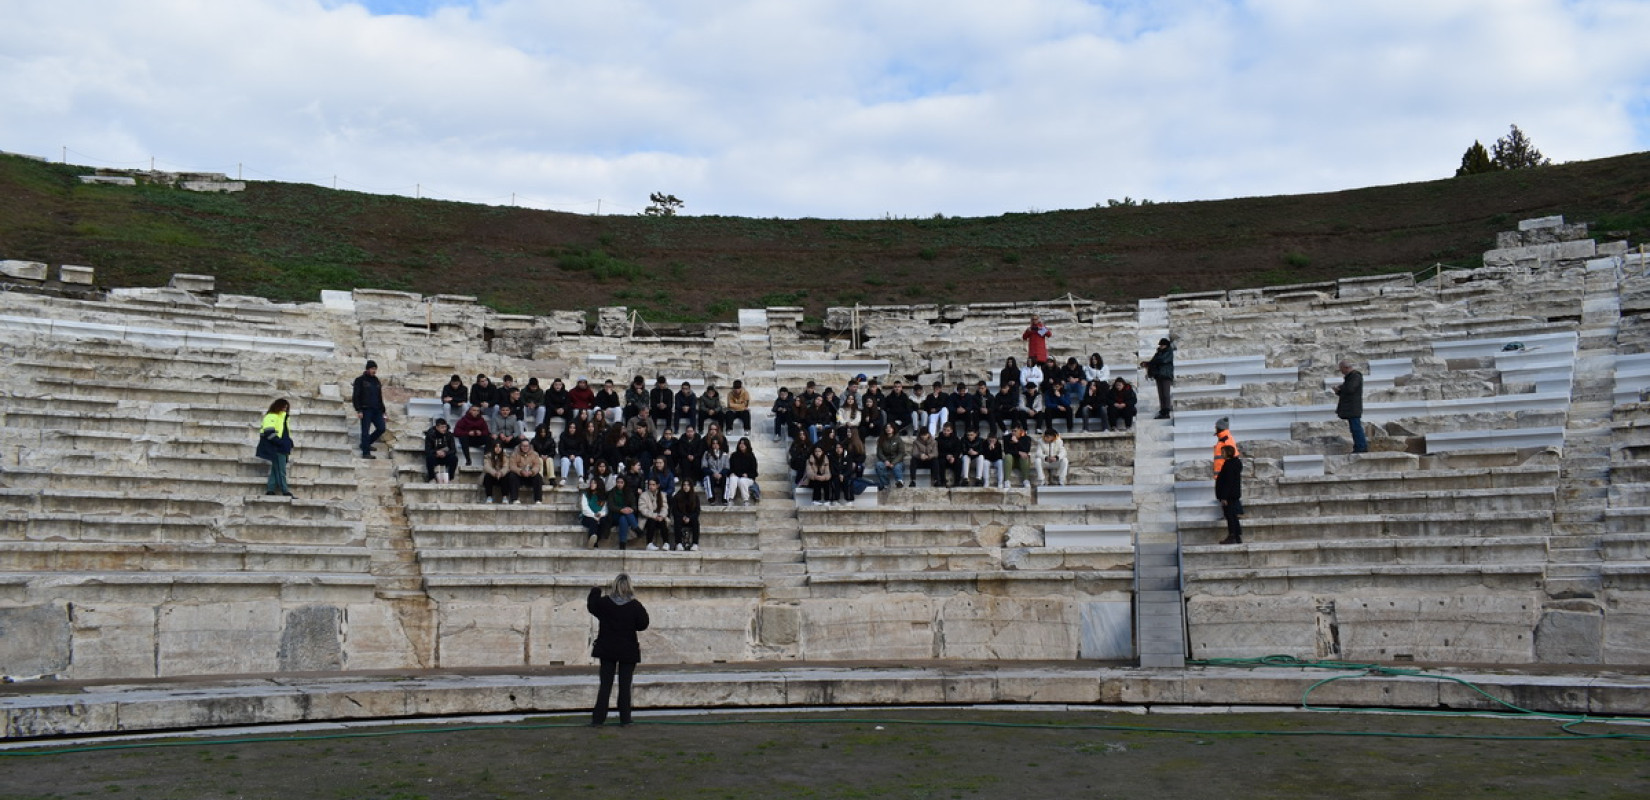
815 108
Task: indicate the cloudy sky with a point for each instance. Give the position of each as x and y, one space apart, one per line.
795 108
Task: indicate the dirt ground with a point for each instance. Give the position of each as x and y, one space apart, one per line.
932 753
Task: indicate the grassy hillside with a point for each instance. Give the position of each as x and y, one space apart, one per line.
288 241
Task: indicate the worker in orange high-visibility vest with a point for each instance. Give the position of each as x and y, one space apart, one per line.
1223 438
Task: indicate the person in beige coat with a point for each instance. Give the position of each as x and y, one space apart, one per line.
1051 455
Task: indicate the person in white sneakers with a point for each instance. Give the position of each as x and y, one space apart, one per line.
654 507
1051 456
742 472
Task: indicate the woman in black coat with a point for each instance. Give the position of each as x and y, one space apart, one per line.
1229 491
621 617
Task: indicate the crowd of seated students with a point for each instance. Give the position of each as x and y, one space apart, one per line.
641 459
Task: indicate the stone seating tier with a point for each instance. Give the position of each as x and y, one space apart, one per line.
140 506
1372 526
234 477
715 534
1461 550
636 561
850 560
58 556
1000 584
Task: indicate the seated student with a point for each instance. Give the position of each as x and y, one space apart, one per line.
659 402
1073 397
979 406
710 407
1054 404
503 389
526 469
532 396
919 415
973 458
959 409
951 457
817 474
518 407
611 449
635 398
1032 374
684 514
936 409
544 444
481 394
455 396
925 454
715 466
635 477
593 511
713 434
558 402
738 407
665 448
440 449
1123 405
1051 457
472 431
899 408
742 472
842 478
797 456
891 455
848 416
604 475
507 428
1071 369
1010 373
573 446
690 449
855 464
992 455
495 471
872 419
784 415
608 403
654 507
1031 404
1005 408
1017 456
818 417
684 408
1096 398
582 398
660 471
1096 369
621 510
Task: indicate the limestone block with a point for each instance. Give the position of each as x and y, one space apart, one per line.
699 632
66 717
1570 636
1525 225
566 323
113 641
1041 687
1011 628
779 625
193 283
1488 628
1627 627
613 321
221 705
1024 536
34 641
481 635
312 639
561 633
889 626
23 270
69 273
1239 627
219 638
384 636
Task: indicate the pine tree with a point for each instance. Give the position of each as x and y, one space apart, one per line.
1476 160
1514 151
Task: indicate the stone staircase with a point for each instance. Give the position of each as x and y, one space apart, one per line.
1160 623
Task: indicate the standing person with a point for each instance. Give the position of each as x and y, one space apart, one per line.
620 616
1350 406
1229 491
368 398
1223 440
1161 369
274 445
1036 335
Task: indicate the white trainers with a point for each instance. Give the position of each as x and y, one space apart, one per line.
488 500
819 502
693 547
652 546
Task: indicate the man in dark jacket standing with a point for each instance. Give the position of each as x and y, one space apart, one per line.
1161 369
368 399
1229 491
1350 406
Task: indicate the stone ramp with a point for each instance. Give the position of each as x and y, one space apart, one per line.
31 712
